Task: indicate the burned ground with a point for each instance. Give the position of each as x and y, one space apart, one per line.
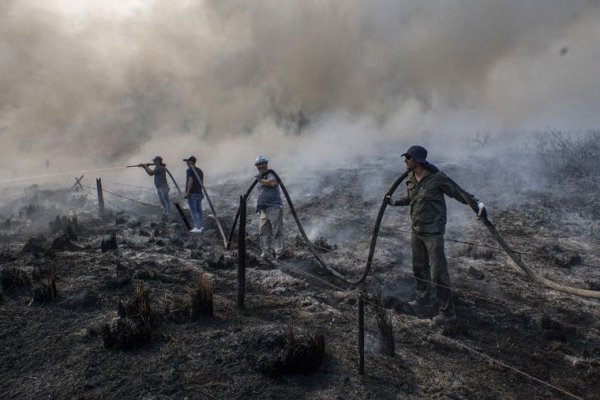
56 346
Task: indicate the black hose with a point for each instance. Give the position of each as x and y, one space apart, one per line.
491 228
174 181
375 234
237 215
311 247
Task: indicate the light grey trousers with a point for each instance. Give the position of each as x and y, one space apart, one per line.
271 230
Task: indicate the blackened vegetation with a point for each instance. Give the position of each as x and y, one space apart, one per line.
38 246
65 230
477 253
14 278
45 291
559 256
475 273
68 224
279 352
385 328
132 328
196 303
201 298
555 330
109 243
222 262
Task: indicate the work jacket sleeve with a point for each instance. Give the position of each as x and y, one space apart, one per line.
403 201
452 189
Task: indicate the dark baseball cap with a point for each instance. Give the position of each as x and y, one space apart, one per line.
418 153
190 158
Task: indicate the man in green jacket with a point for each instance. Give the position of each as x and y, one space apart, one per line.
425 189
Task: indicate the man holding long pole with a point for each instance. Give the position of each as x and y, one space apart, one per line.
160 181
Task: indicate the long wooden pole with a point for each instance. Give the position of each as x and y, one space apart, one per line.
241 272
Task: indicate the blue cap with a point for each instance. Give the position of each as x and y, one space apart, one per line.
418 153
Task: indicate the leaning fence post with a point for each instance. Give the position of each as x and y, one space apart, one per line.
183 217
100 196
361 335
241 272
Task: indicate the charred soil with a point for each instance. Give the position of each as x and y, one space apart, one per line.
134 306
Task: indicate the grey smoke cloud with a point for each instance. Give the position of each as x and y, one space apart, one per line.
237 78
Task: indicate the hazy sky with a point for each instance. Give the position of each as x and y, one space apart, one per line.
226 79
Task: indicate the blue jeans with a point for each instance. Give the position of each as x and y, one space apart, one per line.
163 196
195 203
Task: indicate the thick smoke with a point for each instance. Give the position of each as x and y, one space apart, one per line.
318 80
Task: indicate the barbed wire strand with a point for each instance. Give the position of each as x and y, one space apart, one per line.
457 343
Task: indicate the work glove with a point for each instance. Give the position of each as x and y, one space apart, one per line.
481 211
388 200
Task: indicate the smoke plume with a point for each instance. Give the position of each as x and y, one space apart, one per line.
88 82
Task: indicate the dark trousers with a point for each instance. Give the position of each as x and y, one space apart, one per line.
431 269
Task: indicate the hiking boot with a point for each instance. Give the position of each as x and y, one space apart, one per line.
265 256
425 302
281 256
197 230
443 319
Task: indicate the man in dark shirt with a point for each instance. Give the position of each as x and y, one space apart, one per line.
160 181
425 189
194 179
270 211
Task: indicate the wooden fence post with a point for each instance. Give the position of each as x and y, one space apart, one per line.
361 335
100 196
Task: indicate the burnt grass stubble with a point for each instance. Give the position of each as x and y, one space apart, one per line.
132 306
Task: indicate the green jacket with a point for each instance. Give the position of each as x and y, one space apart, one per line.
427 203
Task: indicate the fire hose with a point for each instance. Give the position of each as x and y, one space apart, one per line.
183 217
488 224
210 204
311 246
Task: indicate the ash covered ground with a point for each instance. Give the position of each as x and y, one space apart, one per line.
91 338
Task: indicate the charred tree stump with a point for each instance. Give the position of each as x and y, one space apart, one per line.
100 196
241 271
183 217
361 335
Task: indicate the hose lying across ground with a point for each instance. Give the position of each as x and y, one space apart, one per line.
311 247
531 273
488 224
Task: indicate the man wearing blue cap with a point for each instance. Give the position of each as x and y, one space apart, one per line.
160 181
426 186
